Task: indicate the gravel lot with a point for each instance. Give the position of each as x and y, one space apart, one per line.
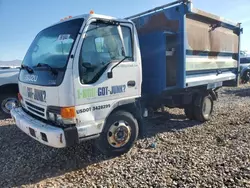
175 153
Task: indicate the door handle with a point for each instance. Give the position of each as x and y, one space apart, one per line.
131 83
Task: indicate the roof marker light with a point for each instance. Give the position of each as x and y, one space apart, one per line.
66 18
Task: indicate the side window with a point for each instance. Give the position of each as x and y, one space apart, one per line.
102 45
126 32
99 44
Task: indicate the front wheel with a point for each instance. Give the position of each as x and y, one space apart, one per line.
119 134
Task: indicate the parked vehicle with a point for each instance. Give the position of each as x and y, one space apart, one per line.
245 69
8 89
101 75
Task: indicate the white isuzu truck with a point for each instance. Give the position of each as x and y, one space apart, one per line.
97 77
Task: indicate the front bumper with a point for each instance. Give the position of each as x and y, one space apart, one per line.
43 132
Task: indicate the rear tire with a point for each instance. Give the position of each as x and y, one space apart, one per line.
119 134
7 101
189 111
203 107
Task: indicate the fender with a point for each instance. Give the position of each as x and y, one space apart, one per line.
9 88
130 105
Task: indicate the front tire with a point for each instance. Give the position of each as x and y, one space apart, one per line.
119 134
7 102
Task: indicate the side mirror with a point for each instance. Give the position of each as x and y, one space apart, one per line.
110 74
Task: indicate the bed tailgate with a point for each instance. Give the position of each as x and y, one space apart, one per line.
212 50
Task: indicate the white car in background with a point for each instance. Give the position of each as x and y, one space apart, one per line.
8 89
245 69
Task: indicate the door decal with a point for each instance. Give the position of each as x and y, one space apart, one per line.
84 93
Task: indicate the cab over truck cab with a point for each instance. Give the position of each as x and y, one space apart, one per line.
96 76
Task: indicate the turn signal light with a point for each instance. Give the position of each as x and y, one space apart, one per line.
68 112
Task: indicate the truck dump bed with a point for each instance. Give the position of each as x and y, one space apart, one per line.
185 47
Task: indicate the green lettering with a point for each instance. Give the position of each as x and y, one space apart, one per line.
79 93
86 93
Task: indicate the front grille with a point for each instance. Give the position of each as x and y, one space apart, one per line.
41 119
37 110
35 116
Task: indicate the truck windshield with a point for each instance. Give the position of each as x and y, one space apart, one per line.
53 45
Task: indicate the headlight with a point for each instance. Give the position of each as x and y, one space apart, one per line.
59 120
61 116
51 116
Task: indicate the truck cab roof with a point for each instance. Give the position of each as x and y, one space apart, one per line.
88 16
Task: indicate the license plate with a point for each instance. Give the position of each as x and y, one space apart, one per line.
32 132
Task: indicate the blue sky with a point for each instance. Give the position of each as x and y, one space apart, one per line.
21 20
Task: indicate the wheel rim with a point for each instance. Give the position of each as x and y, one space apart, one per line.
119 134
8 104
207 107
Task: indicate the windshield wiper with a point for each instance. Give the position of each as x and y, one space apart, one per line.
26 67
53 70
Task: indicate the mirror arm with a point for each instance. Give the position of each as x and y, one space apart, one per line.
110 74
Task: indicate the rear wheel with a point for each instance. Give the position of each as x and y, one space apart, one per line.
203 107
119 134
189 111
7 102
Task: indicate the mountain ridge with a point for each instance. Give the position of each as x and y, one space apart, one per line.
16 62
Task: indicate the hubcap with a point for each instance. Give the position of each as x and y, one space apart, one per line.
207 106
8 104
119 134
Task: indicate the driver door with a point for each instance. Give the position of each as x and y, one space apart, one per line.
101 48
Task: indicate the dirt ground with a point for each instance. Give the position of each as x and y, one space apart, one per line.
176 152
